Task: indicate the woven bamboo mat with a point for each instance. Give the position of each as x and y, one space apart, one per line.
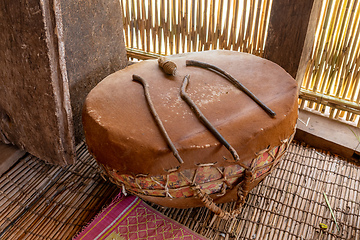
41 201
289 204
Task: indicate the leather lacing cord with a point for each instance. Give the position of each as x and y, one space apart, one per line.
243 190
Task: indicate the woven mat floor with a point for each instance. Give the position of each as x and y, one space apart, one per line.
42 201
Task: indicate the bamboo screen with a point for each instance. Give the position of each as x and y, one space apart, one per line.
331 84
163 27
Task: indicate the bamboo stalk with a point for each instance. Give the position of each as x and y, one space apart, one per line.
339 59
348 26
205 25
250 30
198 29
256 49
241 37
175 26
138 25
323 85
149 26
336 25
168 41
134 26
353 42
191 25
351 85
356 87
155 26
218 32
184 26
234 23
211 31
157 32
319 44
348 82
125 20
328 41
162 29
262 29
330 101
136 19
316 79
224 40
143 21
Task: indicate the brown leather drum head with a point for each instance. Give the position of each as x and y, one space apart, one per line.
122 134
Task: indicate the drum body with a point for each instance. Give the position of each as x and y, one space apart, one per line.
126 140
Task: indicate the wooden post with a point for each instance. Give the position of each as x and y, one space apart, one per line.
286 34
309 41
52 53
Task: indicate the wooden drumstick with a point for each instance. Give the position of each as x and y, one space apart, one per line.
156 117
205 121
235 82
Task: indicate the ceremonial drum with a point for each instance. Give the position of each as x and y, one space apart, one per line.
192 130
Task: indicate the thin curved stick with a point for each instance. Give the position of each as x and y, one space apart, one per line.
232 80
204 120
156 117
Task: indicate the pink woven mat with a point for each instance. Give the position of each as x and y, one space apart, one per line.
130 218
